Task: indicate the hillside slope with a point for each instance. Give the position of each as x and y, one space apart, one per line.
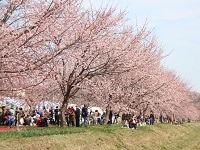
113 137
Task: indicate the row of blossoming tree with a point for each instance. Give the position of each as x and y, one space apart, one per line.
61 51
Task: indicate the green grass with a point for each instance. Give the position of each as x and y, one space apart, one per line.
36 131
109 137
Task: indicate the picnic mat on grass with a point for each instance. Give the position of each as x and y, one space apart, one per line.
6 128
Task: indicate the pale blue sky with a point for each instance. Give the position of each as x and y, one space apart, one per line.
177 26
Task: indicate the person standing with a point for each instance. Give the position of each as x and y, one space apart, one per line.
151 118
67 116
17 116
110 115
116 115
77 115
0 116
161 118
21 116
56 112
98 117
45 114
84 114
51 113
72 116
2 119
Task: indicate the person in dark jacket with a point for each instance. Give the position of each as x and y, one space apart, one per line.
51 113
2 115
84 114
132 124
77 115
56 112
110 116
152 118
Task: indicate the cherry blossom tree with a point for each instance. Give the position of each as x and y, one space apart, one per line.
104 50
40 39
161 91
30 33
59 48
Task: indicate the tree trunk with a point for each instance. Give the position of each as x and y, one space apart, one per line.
107 116
62 111
173 118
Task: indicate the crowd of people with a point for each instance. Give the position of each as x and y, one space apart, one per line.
11 116
74 116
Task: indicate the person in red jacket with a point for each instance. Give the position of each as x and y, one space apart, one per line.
40 122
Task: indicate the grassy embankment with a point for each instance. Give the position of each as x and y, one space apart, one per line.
111 137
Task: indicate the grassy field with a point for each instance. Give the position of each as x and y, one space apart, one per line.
110 137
